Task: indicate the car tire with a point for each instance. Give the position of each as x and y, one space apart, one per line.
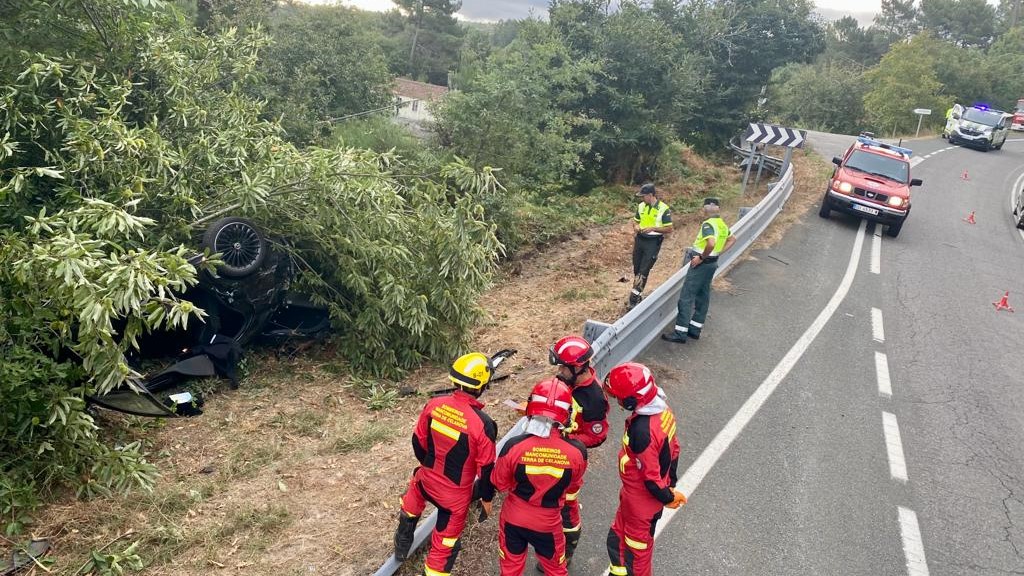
826 207
893 230
239 242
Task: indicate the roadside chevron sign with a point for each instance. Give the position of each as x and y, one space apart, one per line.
759 133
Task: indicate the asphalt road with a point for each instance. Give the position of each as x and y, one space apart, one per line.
834 469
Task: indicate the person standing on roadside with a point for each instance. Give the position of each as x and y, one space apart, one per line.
713 238
454 443
651 222
588 420
648 462
538 469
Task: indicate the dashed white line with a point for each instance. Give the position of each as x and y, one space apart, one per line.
877 329
894 447
882 372
913 547
876 250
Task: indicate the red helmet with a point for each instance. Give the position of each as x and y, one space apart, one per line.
551 398
572 351
632 384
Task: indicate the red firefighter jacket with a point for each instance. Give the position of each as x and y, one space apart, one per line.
589 420
454 442
650 455
538 472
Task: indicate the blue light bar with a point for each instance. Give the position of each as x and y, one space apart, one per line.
899 149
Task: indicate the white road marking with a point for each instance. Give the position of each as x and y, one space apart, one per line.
940 150
894 446
876 250
916 161
693 476
913 546
882 373
877 329
1013 200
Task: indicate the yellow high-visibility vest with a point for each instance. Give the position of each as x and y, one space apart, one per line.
652 216
713 227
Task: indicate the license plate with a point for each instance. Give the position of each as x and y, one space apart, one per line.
865 209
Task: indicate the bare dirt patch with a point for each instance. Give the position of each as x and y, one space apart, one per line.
292 474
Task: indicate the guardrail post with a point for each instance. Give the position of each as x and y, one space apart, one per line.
746 176
786 159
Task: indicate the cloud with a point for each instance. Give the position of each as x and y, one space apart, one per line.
503 9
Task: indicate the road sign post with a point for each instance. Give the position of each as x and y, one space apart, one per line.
758 133
921 113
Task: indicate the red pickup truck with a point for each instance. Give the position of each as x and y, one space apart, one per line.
872 180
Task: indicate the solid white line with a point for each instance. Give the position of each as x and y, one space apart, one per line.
913 546
876 250
916 161
882 372
894 446
693 476
877 329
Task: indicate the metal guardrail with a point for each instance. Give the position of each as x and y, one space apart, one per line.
770 162
629 335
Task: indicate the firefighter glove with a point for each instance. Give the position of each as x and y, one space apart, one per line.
678 499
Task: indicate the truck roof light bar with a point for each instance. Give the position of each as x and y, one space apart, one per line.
898 149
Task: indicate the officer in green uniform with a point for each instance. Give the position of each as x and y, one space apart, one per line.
651 222
713 238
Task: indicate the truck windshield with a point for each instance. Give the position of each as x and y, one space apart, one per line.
878 165
985 117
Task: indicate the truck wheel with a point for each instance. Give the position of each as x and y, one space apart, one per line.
240 245
826 207
893 230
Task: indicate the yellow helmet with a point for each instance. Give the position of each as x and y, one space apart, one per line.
471 371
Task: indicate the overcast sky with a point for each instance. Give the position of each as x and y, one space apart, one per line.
512 9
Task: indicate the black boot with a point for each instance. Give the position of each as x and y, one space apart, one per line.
404 535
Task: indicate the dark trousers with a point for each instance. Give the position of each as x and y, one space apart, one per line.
695 299
645 254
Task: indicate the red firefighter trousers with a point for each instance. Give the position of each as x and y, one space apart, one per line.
631 537
452 509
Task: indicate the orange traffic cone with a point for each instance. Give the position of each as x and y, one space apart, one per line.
964 176
1003 303
970 218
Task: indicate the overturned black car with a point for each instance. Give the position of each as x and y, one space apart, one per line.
248 300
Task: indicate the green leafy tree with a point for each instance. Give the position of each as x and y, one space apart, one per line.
897 20
109 162
741 42
827 95
1004 64
432 37
323 64
905 79
520 111
847 41
961 22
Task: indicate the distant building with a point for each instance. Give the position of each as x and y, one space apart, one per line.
414 100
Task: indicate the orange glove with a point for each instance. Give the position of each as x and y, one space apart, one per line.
678 499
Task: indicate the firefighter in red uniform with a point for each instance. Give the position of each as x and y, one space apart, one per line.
454 443
588 421
538 468
647 468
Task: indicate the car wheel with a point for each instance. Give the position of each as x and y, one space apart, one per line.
893 230
241 245
826 207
